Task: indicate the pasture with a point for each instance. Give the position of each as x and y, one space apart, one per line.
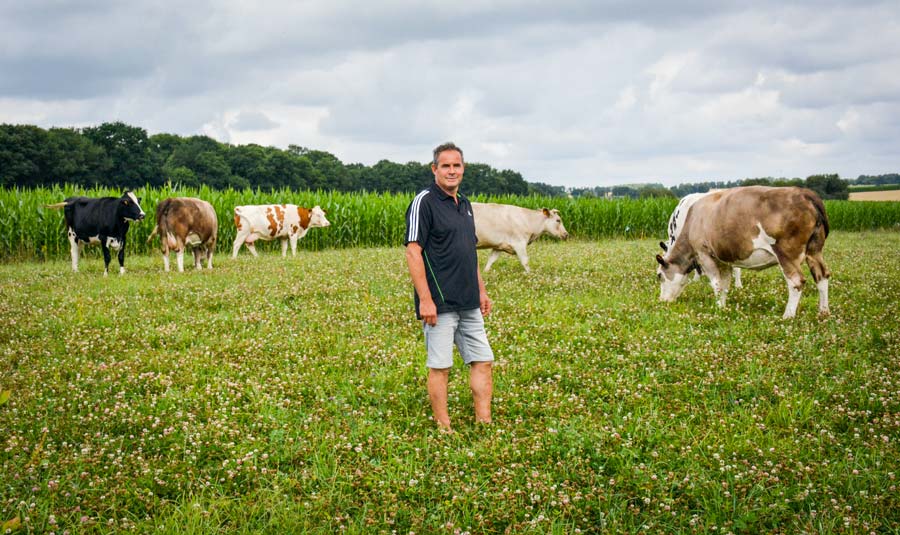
276 395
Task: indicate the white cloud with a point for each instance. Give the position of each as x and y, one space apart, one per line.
574 93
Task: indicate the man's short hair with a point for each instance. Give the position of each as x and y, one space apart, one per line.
445 147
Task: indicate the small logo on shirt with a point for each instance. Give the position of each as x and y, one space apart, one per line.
470 212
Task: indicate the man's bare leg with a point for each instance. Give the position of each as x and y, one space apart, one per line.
481 382
437 393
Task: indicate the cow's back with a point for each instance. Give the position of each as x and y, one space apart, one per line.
500 224
267 221
679 215
725 223
89 216
186 215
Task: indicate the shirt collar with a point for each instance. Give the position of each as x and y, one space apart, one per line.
443 194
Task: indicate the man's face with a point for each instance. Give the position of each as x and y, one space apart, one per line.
449 170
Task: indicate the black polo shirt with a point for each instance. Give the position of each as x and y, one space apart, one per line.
446 232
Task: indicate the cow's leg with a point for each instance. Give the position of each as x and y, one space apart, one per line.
179 258
724 284
719 285
165 256
197 252
522 254
737 277
106 255
252 248
820 274
210 248
495 254
121 256
238 241
790 268
294 240
284 246
75 248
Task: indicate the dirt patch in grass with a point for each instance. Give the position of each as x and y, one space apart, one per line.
893 195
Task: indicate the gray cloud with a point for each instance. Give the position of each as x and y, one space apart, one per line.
572 93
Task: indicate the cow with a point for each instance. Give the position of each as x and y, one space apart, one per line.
286 222
676 222
752 227
103 220
186 222
508 228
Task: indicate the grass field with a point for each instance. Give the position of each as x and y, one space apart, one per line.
276 395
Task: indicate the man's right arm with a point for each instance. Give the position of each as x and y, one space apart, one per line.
416 265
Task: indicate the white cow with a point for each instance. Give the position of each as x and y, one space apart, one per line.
508 228
286 222
676 223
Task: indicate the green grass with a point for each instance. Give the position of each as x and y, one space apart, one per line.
276 395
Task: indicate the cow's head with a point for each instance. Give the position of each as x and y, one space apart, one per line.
130 207
553 224
317 217
672 279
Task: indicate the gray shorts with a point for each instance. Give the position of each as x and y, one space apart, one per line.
464 328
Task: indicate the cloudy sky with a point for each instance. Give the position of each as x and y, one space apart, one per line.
573 93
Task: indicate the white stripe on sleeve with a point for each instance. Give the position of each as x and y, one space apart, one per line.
414 217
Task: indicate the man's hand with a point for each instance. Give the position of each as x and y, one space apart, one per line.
428 311
486 304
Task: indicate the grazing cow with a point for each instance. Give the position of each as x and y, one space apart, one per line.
104 221
752 227
676 222
287 222
186 222
508 228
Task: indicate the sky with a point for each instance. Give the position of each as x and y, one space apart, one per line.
569 93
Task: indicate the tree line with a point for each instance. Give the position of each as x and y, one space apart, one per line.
124 156
830 186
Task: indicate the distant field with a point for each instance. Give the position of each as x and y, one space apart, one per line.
891 195
273 395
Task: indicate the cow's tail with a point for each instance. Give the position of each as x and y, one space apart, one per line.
822 217
56 206
153 233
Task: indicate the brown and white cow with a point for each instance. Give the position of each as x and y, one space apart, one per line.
286 222
508 228
752 227
186 222
676 222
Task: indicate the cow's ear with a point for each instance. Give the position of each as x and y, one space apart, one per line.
662 261
546 212
663 245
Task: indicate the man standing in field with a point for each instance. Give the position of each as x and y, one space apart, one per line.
450 296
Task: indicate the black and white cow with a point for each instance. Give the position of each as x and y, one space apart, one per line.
104 220
676 223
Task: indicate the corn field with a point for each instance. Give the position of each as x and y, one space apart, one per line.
29 230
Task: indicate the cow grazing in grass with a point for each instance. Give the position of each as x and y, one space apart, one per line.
102 220
751 227
507 228
286 222
186 222
676 222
